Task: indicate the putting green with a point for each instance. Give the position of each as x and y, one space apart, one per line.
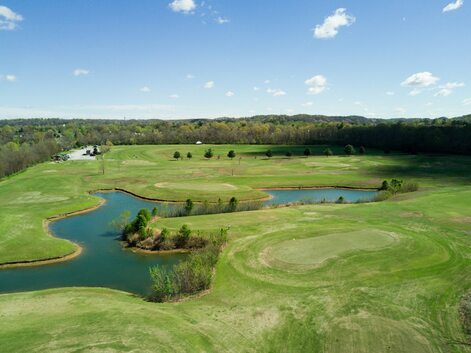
309 252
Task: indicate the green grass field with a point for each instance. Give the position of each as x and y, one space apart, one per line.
376 277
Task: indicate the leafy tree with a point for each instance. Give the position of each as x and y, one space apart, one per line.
307 152
189 155
189 206
328 152
231 154
233 203
209 153
384 185
349 150
269 154
145 213
181 240
361 150
164 234
177 155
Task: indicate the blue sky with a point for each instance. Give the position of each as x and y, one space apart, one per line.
204 59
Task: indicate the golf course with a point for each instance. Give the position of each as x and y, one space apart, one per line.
334 277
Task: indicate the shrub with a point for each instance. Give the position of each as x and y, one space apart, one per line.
233 203
289 154
349 150
328 152
361 150
231 154
209 153
155 211
341 199
189 155
269 154
177 155
189 206
307 152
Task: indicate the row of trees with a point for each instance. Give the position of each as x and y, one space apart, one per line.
15 157
439 135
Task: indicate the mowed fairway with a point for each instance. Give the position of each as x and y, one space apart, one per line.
376 277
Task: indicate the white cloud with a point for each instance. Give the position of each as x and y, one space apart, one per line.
467 101
174 96
8 19
209 84
317 84
415 92
222 20
9 78
331 25
144 89
229 94
80 72
453 6
184 6
276 92
390 93
447 89
307 104
256 88
190 76
420 79
266 82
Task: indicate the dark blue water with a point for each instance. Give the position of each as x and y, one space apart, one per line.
105 263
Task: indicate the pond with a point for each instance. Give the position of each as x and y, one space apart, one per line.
105 263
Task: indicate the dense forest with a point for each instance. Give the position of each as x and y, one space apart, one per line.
24 142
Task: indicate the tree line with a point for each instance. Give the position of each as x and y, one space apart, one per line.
37 137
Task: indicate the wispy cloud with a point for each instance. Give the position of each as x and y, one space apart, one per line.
174 96
222 20
8 19
8 78
209 84
230 94
276 92
453 6
467 101
448 88
80 72
184 6
190 76
144 89
331 25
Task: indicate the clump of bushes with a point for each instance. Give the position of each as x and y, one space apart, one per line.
138 234
395 186
189 276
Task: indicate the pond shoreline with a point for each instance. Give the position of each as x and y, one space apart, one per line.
56 259
78 250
